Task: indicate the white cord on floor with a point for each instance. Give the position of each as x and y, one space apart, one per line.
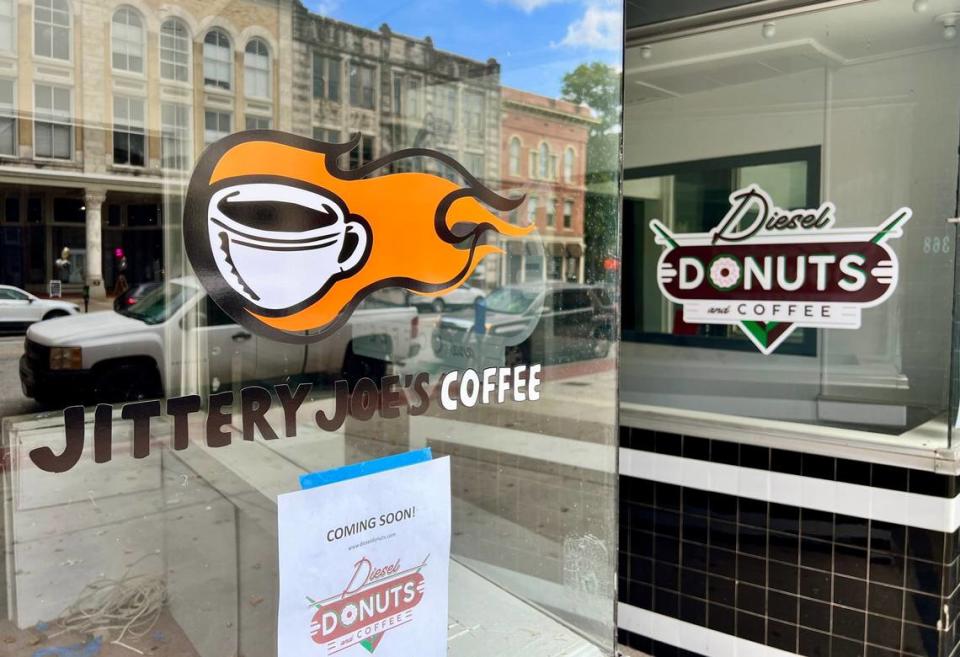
129 606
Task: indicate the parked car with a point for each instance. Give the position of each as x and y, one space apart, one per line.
133 295
531 323
19 309
177 331
465 295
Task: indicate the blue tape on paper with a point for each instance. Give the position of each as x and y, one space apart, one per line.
316 479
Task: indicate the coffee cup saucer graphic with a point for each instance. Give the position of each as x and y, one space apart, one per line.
278 245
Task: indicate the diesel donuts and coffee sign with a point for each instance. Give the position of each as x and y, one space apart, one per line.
770 270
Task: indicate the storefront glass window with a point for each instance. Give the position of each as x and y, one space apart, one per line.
213 207
806 113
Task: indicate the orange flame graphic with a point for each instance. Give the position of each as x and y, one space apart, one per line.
424 230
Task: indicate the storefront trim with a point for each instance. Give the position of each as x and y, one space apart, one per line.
688 636
875 502
699 23
915 449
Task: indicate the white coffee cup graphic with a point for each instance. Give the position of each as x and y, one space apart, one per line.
278 245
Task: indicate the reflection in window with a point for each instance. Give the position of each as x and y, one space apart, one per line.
8 25
361 85
475 164
68 210
568 214
53 127
555 270
217 60
326 77
129 134
8 294
175 135
329 135
256 69
406 95
445 170
8 118
515 156
568 165
473 113
51 29
532 209
159 304
258 122
551 212
544 161
216 125
694 197
511 301
363 153
445 102
174 51
126 40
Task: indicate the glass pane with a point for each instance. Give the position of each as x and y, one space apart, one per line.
379 236
798 115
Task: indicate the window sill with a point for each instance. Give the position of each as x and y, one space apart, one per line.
178 84
218 91
922 448
52 61
120 73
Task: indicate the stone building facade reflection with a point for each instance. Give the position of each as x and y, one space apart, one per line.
104 109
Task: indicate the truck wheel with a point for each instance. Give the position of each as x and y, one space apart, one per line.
53 314
356 367
437 305
125 382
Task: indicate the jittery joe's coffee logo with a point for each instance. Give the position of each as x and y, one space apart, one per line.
771 270
288 243
376 600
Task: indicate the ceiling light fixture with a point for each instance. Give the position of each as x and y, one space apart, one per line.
646 52
921 6
949 22
769 30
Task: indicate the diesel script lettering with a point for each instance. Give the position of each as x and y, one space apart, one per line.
377 599
367 398
783 269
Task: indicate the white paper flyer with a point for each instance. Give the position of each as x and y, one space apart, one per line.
364 565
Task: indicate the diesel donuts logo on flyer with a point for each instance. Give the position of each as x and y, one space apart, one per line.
770 270
288 244
377 599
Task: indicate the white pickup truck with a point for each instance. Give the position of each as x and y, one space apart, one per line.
177 332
